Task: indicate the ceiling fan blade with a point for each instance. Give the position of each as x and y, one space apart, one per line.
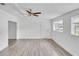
29 12
37 13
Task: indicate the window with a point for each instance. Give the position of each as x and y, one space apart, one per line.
58 26
75 25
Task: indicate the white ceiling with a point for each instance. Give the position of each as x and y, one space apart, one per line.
49 10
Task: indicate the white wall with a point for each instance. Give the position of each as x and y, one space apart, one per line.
65 39
3 30
34 28
4 18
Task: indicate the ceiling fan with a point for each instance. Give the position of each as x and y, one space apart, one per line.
29 11
2 3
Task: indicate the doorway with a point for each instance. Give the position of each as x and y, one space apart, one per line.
12 32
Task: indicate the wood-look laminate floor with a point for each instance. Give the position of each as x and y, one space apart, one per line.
33 47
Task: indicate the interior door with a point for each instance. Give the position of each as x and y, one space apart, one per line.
12 32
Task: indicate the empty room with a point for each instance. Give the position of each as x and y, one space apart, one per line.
39 29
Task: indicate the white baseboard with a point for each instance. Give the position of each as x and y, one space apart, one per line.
2 48
35 38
